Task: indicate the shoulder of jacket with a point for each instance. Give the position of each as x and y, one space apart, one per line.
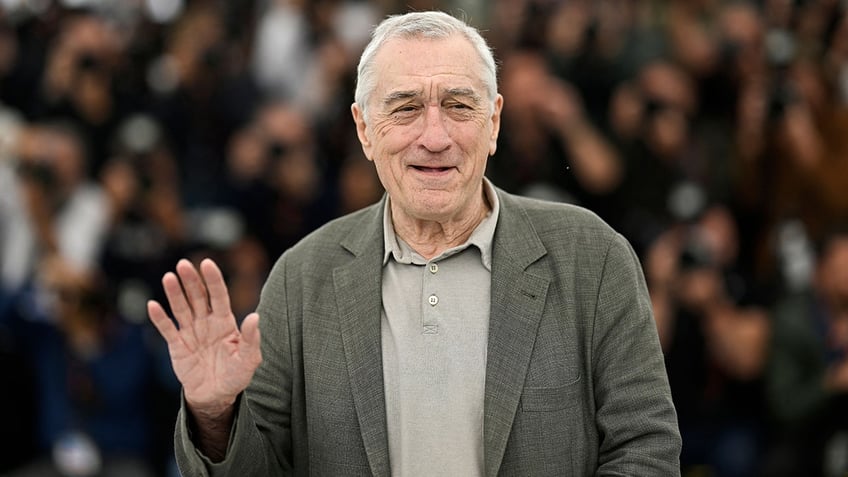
547 216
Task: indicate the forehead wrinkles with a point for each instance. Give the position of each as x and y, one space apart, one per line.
421 58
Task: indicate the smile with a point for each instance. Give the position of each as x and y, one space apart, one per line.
432 169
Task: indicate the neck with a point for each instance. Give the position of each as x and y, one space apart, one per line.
429 238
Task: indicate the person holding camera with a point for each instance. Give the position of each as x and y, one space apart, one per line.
48 206
807 372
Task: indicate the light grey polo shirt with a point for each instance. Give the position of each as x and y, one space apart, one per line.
434 328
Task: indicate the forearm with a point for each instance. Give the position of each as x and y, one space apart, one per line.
249 448
211 431
595 161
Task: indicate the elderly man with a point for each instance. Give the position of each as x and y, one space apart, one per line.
451 329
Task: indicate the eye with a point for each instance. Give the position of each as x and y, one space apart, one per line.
405 109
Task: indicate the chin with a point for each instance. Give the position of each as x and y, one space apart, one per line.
433 208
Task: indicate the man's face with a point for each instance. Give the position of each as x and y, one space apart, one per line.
431 127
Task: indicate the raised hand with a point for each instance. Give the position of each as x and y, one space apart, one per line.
211 357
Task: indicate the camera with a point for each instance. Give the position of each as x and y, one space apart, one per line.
140 164
655 106
212 58
276 150
695 255
89 62
729 51
39 171
781 96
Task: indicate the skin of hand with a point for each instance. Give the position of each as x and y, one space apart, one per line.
211 357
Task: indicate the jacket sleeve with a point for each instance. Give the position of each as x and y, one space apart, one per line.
260 440
635 418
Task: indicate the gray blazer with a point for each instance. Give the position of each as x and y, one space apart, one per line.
575 380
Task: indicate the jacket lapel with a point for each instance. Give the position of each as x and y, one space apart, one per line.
518 299
358 288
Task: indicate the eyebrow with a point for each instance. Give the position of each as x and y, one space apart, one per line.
397 96
463 93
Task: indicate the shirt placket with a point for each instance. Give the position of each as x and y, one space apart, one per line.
432 299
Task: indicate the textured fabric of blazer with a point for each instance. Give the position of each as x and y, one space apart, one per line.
575 380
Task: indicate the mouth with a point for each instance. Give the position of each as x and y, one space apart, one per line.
432 170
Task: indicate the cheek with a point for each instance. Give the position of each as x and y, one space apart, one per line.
480 144
391 136
400 139
387 171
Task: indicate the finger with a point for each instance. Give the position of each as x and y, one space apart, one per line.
162 322
252 338
195 289
177 299
219 297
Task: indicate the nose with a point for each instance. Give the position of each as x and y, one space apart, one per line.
435 137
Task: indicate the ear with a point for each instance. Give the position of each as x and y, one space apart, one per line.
496 124
361 129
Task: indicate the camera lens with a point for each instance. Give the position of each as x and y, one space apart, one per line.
38 171
88 62
276 150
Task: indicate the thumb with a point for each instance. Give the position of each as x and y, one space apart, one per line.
250 335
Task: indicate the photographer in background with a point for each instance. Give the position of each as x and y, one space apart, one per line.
208 94
93 374
86 368
277 177
553 145
47 205
148 223
650 118
808 369
715 335
80 81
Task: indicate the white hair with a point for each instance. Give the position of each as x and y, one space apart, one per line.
431 25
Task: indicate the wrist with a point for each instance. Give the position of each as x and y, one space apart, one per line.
211 411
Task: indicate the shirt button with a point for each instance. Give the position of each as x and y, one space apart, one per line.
433 300
434 267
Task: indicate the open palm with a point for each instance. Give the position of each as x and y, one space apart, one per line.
211 357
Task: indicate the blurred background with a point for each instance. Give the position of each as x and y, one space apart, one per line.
712 134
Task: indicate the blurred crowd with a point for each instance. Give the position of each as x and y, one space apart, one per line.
713 134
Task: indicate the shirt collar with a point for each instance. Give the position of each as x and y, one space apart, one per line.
482 237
